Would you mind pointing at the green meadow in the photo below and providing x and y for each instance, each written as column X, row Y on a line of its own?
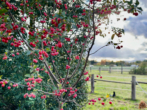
column 122, row 101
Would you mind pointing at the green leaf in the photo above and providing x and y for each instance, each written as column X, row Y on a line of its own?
column 139, row 8
column 112, row 37
column 137, row 3
column 63, row 14
column 36, row 51
column 3, row 11
column 47, row 49
column 68, row 27
column 27, row 75
column 115, row 44
column 114, row 2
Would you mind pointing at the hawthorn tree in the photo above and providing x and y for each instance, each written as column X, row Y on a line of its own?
column 47, row 44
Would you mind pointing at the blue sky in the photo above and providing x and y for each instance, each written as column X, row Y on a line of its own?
column 134, row 39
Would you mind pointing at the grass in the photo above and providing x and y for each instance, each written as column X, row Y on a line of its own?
column 122, row 101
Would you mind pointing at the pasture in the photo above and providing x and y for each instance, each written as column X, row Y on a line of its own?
column 122, row 101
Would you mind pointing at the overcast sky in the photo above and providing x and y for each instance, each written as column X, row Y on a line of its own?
column 134, row 39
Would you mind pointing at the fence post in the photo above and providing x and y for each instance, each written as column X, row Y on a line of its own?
column 99, row 69
column 121, row 69
column 109, row 69
column 133, row 94
column 90, row 68
column 92, row 83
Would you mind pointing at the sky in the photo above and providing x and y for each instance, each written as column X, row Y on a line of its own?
column 134, row 40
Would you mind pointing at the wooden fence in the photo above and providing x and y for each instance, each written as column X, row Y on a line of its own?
column 133, row 85
column 114, row 69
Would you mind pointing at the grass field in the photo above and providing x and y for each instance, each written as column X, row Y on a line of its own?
column 122, row 101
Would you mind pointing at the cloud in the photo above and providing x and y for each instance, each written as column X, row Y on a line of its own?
column 143, row 3
column 110, row 52
column 134, row 39
column 137, row 25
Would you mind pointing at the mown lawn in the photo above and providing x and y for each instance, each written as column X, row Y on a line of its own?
column 122, row 101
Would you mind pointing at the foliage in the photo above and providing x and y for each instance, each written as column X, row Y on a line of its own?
column 46, row 46
column 141, row 70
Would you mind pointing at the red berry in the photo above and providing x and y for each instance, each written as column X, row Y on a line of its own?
column 14, row 85
column 17, row 53
column 13, row 55
column 29, row 89
column 76, row 90
column 9, row 87
column 26, row 79
column 60, row 45
column 110, row 102
column 100, row 76
column 103, row 103
column 99, row 99
column 3, row 85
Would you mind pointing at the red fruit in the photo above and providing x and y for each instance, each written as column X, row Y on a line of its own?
column 60, row 45
column 17, row 53
column 97, row 76
column 14, row 85
column 77, row 57
column 89, row 103
column 61, row 90
column 99, row 99
column 6, row 82
column 75, row 96
column 67, row 82
column 110, row 102
column 28, row 83
column 93, row 103
column 41, row 97
column 33, row 82
column 103, row 103
column 67, row 66
column 32, row 85
column 29, row 89
column 29, row 95
column 13, row 55
column 35, row 61
column 25, row 96
column 44, row 96
column 3, row 85
column 32, row 95
column 5, row 58
column 136, row 14
column 76, row 90
column 29, row 79
column 87, row 79
column 85, row 73
column 9, row 87
column 100, row 76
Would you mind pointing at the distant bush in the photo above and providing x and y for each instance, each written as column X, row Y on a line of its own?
column 140, row 70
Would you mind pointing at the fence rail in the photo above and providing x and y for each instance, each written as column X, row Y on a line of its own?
column 133, row 85
column 111, row 69
column 112, row 81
